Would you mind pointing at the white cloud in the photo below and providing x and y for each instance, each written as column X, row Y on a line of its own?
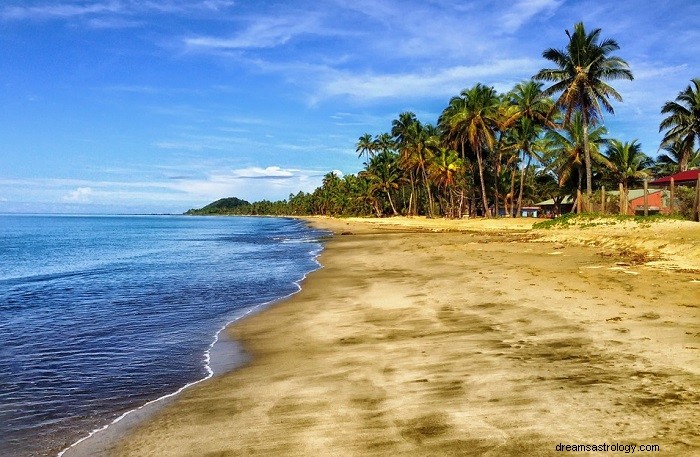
column 265, row 32
column 80, row 195
column 524, row 10
column 67, row 10
column 63, row 10
column 257, row 173
column 444, row 82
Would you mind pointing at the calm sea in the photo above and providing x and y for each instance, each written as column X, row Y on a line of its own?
column 99, row 315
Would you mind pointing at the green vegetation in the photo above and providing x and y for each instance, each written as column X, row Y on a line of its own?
column 229, row 205
column 493, row 153
column 596, row 219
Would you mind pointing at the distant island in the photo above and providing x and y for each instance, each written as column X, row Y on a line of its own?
column 297, row 205
column 229, row 205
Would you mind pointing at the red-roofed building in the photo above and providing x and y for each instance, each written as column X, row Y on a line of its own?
column 684, row 178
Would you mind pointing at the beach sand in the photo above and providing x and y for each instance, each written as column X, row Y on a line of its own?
column 443, row 338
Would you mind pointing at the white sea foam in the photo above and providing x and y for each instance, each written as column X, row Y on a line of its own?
column 207, row 356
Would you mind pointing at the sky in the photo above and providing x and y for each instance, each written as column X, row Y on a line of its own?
column 158, row 106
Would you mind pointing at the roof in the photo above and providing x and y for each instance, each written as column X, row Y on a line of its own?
column 684, row 176
column 566, row 201
column 631, row 195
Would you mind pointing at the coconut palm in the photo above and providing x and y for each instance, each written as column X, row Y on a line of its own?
column 472, row 119
column 628, row 164
column 383, row 174
column 534, row 111
column 567, row 146
column 402, row 130
column 365, row 146
column 443, row 170
column 668, row 162
column 413, row 140
column 582, row 69
column 683, row 122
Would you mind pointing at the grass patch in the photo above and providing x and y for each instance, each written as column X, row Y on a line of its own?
column 587, row 220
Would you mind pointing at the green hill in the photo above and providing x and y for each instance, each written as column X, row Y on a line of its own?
column 229, row 205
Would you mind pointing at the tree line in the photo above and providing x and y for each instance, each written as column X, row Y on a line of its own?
column 492, row 153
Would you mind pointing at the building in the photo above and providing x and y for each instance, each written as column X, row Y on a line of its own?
column 658, row 201
column 684, row 178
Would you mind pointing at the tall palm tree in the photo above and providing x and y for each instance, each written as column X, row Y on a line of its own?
column 628, row 164
column 683, row 122
column 535, row 112
column 443, row 169
column 383, row 174
column 582, row 69
column 402, row 131
column 473, row 117
column 567, row 146
column 365, row 146
column 668, row 162
column 384, row 143
column 525, row 136
column 414, row 142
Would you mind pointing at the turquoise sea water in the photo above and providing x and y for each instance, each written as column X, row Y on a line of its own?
column 100, row 314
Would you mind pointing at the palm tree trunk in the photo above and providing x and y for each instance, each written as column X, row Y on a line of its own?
column 497, row 177
column 523, row 175
column 487, row 211
column 512, row 192
column 427, row 189
column 393, row 208
column 589, row 166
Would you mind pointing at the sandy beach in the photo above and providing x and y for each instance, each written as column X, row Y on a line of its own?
column 430, row 337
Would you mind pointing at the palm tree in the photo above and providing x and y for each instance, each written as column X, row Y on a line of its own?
column 383, row 174
column 414, row 142
column 582, row 69
column 683, row 122
column 567, row 146
column 525, row 137
column 472, row 117
column 401, row 131
column 444, row 168
column 365, row 146
column 534, row 110
column 628, row 163
column 668, row 162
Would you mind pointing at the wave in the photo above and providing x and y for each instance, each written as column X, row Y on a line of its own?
column 207, row 355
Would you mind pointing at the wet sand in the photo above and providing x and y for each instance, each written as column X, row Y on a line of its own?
column 444, row 339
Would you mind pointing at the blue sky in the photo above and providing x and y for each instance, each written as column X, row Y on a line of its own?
column 164, row 105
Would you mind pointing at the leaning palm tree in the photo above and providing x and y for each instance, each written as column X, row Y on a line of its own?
column 628, row 164
column 683, row 122
column 582, row 69
column 473, row 117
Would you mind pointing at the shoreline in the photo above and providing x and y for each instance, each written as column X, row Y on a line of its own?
column 469, row 350
column 217, row 362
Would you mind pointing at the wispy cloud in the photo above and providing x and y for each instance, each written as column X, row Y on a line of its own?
column 264, row 32
column 447, row 81
column 108, row 9
column 524, row 10
column 61, row 10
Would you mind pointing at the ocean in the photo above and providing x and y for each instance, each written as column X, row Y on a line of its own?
column 102, row 314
